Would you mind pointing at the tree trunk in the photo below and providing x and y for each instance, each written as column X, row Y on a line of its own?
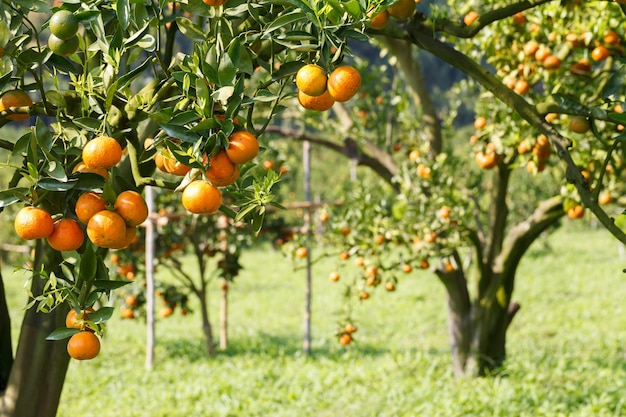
column 38, row 372
column 224, row 319
column 6, row 345
column 206, row 325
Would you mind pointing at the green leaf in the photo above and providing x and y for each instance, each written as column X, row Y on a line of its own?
column 285, row 20
column 180, row 132
column 190, row 29
column 102, row 314
column 88, row 263
column 52, row 184
column 614, row 85
column 123, row 13
column 88, row 123
column 107, row 284
column 138, row 36
column 12, row 195
column 62, row 333
column 131, row 75
column 223, row 94
column 226, row 71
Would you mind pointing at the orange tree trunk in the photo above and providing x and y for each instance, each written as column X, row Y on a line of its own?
column 6, row 345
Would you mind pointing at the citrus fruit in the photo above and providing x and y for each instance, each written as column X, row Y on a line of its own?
column 214, row 3
column 600, row 53
column 579, row 124
column 15, row 98
column 311, row 80
column 33, row 223
column 379, row 20
column 301, row 252
column 83, row 167
column 173, row 166
column 222, row 171
column 83, row 345
column 107, row 229
column 87, row 205
column 74, row 320
column 470, row 18
column 130, row 234
column 344, row 82
column 201, row 197
column 319, row 103
column 63, row 47
column 132, row 207
column 402, row 9
column 242, row 147
column 63, row 24
column 66, row 236
column 102, row 152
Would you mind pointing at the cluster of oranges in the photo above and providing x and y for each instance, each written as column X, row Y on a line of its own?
column 401, row 9
column 204, row 196
column 85, row 344
column 318, row 91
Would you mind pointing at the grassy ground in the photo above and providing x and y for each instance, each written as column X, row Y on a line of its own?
column 567, row 348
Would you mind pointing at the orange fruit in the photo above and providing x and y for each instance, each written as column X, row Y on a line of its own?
column 579, row 124
column 15, row 98
column 83, row 167
column 407, row 268
column 320, row 103
column 311, row 80
column 414, row 155
column 301, row 252
column 127, row 313
column 350, row 328
column 423, row 171
column 33, row 223
column 604, row 197
column 521, row 87
column 222, row 171
column 371, row 271
column 166, row 312
column 551, row 62
column 333, row 276
column 611, row 37
column 486, row 160
column 390, row 286
column 173, row 166
column 83, row 345
column 132, row 207
column 214, row 3
column 63, row 24
column 74, row 320
column 344, row 82
column 480, row 122
column 379, row 20
column 201, row 197
column 346, row 339
column 87, row 205
column 359, row 261
column 130, row 234
column 575, row 212
column 102, row 152
column 519, row 18
column 444, row 212
column 66, row 236
column 600, row 53
column 470, row 18
column 402, row 9
column 130, row 300
column 107, row 229
column 242, row 147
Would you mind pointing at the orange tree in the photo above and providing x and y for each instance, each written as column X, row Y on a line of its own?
column 192, row 75
column 546, row 143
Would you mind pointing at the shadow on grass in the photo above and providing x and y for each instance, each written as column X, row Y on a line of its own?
column 265, row 344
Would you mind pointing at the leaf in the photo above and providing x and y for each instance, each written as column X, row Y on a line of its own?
column 287, row 69
column 88, row 263
column 180, row 132
column 102, row 314
column 137, row 36
column 12, row 195
column 123, row 13
column 190, row 29
column 127, row 78
column 614, row 85
column 226, row 71
column 285, row 20
column 223, row 94
column 52, row 184
column 108, row 284
column 88, row 123
column 62, row 333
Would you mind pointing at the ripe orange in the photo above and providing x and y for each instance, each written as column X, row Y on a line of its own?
column 333, row 276
column 480, row 122
column 242, row 147
column 214, row 3
column 541, row 148
column 579, row 124
column 423, row 171
column 359, row 261
column 83, row 345
column 424, row 264
column 371, row 271
column 519, row 18
column 130, row 235
column 166, row 312
column 201, row 197
column 600, row 53
column 222, row 171
column 379, row 20
column 530, row 48
column 486, row 160
column 343, row 83
column 33, row 223
column 15, row 98
column 551, row 62
column 301, row 252
column 132, row 207
column 390, row 286
column 127, row 313
column 173, row 166
column 470, row 18
column 344, row 256
column 444, row 212
column 364, row 295
column 320, row 103
column 345, row 338
column 102, row 152
column 107, row 229
column 83, row 167
column 402, row 9
column 311, row 80
column 130, row 300
column 521, row 87
column 581, row 67
column 414, row 155
column 350, row 328
column 575, row 212
column 611, row 37
column 523, row 147
column 87, row 205
column 407, row 268
column 74, row 320
column 66, row 236
column 604, row 197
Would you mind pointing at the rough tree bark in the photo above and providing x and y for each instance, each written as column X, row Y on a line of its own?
column 38, row 372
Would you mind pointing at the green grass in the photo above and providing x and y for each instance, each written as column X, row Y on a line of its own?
column 567, row 348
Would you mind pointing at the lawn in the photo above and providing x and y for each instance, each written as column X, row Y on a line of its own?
column 567, row 347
